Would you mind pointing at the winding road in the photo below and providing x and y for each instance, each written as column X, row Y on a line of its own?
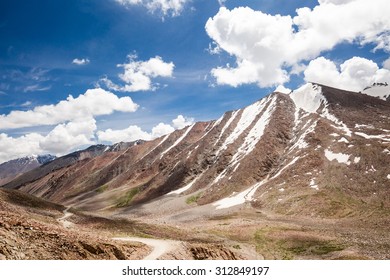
column 63, row 219
column 160, row 246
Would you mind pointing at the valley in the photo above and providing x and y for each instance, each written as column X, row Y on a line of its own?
column 300, row 175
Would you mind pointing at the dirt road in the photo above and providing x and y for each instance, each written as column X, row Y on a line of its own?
column 160, row 247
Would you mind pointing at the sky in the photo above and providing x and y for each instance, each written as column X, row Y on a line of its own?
column 74, row 73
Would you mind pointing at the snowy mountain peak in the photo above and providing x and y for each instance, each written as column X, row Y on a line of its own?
column 380, row 90
column 308, row 97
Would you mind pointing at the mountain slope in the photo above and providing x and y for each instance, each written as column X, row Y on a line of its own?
column 11, row 169
column 280, row 154
column 303, row 175
column 30, row 229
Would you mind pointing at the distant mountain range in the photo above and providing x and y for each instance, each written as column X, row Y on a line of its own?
column 13, row 168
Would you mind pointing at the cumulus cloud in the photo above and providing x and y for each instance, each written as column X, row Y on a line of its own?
column 386, row 64
column 266, row 46
column 161, row 129
column 138, row 75
column 166, row 7
column 181, row 122
column 134, row 132
column 129, row 134
column 82, row 61
column 354, row 74
column 63, row 139
column 94, row 102
column 11, row 148
column 66, row 137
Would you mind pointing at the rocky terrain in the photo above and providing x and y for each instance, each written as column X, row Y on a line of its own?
column 300, row 175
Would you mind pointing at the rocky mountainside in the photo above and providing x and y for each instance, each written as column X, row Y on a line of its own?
column 58, row 163
column 287, row 153
column 295, row 175
column 11, row 169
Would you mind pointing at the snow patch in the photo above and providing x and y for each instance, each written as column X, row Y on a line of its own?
column 255, row 133
column 380, row 90
column 300, row 143
column 162, row 141
column 247, row 117
column 384, row 137
column 356, row 160
column 372, row 169
column 386, row 151
column 313, row 184
column 286, row 166
column 339, row 124
column 177, row 141
column 364, row 126
column 388, row 176
column 308, row 97
column 227, row 124
column 183, row 189
column 240, row 198
column 339, row 157
column 343, row 140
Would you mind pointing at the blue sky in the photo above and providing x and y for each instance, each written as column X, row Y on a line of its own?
column 177, row 53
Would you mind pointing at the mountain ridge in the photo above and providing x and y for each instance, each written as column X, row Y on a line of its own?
column 298, row 175
column 265, row 138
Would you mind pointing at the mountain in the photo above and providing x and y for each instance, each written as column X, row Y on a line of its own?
column 314, row 163
column 36, row 173
column 11, row 169
column 307, row 140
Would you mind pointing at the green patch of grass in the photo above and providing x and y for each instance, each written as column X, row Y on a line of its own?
column 102, row 189
column 127, row 198
column 193, row 198
column 238, row 247
column 282, row 243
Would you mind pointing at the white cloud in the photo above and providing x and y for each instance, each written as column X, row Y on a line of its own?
column 221, row 2
column 282, row 89
column 94, row 102
column 181, row 122
column 386, row 64
column 63, row 139
column 66, row 137
column 166, row 7
column 264, row 45
column 161, row 129
column 82, row 61
column 337, row 2
column 36, row 87
column 138, row 75
column 134, row 132
column 354, row 74
column 11, row 148
column 129, row 134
